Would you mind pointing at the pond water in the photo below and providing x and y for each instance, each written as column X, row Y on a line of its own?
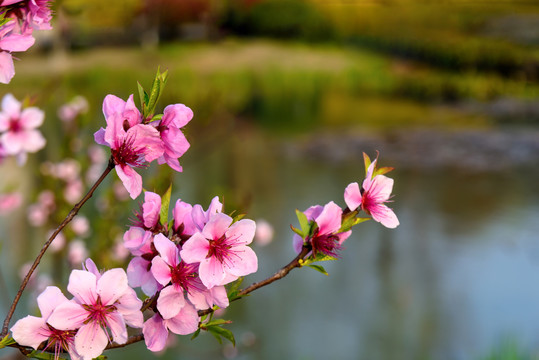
column 458, row 279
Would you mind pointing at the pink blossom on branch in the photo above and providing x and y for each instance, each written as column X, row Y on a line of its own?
column 32, row 331
column 222, row 251
column 174, row 117
column 326, row 238
column 101, row 303
column 371, row 198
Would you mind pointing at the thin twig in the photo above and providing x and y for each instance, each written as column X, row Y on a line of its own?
column 66, row 221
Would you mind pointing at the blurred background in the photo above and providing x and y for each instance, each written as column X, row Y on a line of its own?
column 287, row 94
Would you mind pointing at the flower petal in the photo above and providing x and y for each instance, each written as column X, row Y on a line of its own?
column 161, row 270
column 68, row 316
column 329, row 221
column 82, row 285
column 216, row 226
column 116, row 324
column 352, row 196
column 185, row 322
column 112, row 285
column 30, row 331
column 170, row 302
column 195, row 249
column 90, row 340
column 167, row 249
column 155, row 333
column 131, row 180
column 211, row 272
column 245, row 265
column 242, row 232
column 129, row 307
column 49, row 299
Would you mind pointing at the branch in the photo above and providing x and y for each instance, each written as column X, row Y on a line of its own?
column 66, row 221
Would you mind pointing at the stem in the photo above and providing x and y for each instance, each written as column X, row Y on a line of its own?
column 66, row 221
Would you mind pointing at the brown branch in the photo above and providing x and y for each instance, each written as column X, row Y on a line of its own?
column 66, row 221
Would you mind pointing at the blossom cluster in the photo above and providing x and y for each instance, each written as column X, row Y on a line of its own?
column 101, row 307
column 326, row 227
column 19, row 19
column 187, row 264
column 18, row 129
column 135, row 141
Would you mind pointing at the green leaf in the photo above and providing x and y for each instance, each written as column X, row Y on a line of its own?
column 383, row 170
column 303, row 223
column 319, row 257
column 367, row 161
column 157, row 89
column 143, row 96
column 165, row 204
column 195, row 335
column 217, row 322
column 6, row 341
column 238, row 218
column 297, row 231
column 219, row 332
column 319, row 269
column 234, row 288
column 157, row 117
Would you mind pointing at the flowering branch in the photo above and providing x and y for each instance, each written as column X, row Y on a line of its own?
column 66, row 221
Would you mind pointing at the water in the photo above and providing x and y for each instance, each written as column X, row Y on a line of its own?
column 456, row 280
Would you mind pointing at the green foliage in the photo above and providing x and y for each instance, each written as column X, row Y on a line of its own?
column 149, row 102
column 6, row 341
column 165, row 204
column 214, row 327
column 233, row 289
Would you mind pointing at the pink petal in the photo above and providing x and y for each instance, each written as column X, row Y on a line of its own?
column 30, row 331
column 33, row 141
column 161, row 270
column 90, row 340
column 368, row 177
column 380, row 189
column 151, row 209
column 352, row 196
column 247, row 264
column 215, row 207
column 11, row 107
column 112, row 105
column 116, row 324
column 7, row 69
column 115, row 132
column 186, row 322
column 82, row 285
column 167, row 249
column 297, row 243
column 313, row 212
column 217, row 226
column 177, row 115
column 218, row 296
column 329, row 221
column 385, row 216
column 195, row 249
column 170, row 302
column 32, row 118
column 182, row 215
column 242, row 231
column 99, row 137
column 17, row 42
column 49, row 299
column 211, row 272
column 135, row 237
column 90, row 266
column 68, row 316
column 148, row 141
column 112, row 285
column 129, row 306
column 155, row 333
column 131, row 180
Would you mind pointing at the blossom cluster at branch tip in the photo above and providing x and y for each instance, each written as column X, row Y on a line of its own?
column 24, row 16
column 101, row 307
column 375, row 191
column 186, row 265
column 135, row 142
column 18, row 129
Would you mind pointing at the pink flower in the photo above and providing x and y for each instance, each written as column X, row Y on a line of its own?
column 9, row 202
column 72, row 109
column 222, row 251
column 132, row 143
column 184, row 226
column 32, row 331
column 11, row 41
column 374, row 192
column 264, row 232
column 101, row 303
column 156, row 329
column 326, row 238
column 167, row 268
column 174, row 117
column 20, row 135
column 201, row 217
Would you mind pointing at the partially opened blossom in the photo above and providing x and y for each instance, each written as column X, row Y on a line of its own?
column 19, row 128
column 32, row 331
column 102, row 304
column 132, row 143
column 371, row 198
column 326, row 238
column 222, row 251
column 174, row 118
column 168, row 268
column 201, row 217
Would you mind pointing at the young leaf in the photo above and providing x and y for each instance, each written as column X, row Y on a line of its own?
column 217, row 322
column 319, row 269
column 303, row 222
column 143, row 96
column 6, row 341
column 382, row 170
column 367, row 161
column 219, row 332
column 234, row 288
column 165, row 203
column 195, row 335
column 298, row 231
column 238, row 217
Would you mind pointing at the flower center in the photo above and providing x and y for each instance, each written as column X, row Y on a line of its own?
column 98, row 312
column 60, row 340
column 15, row 125
column 327, row 244
column 185, row 276
column 127, row 154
